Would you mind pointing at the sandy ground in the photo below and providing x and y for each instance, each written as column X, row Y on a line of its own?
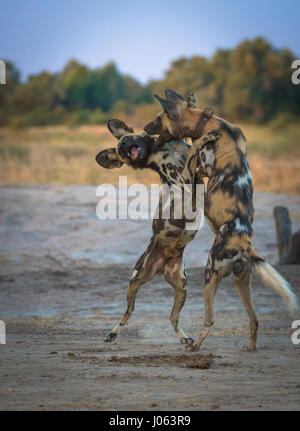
column 63, row 280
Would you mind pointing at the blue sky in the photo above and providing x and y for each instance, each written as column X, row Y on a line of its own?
column 142, row 37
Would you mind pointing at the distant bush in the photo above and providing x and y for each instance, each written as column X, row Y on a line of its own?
column 122, row 108
column 78, row 118
column 282, row 121
column 85, row 116
column 41, row 116
column 98, row 117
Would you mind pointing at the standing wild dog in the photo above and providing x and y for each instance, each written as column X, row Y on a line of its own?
column 164, row 254
column 228, row 205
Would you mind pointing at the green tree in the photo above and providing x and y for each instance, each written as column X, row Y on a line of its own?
column 44, row 89
column 259, row 84
column 251, row 82
column 75, row 79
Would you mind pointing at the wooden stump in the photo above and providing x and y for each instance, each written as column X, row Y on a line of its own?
column 288, row 244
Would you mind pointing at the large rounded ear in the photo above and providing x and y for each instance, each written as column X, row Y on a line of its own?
column 109, row 159
column 174, row 97
column 172, row 111
column 169, row 108
column 162, row 101
column 118, row 128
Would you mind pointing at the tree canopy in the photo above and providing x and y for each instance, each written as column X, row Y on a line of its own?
column 251, row 82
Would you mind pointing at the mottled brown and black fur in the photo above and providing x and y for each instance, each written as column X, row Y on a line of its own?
column 164, row 254
column 228, row 205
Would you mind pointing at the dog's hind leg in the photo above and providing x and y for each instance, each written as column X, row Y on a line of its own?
column 243, row 287
column 209, row 292
column 145, row 269
column 175, row 276
column 216, row 268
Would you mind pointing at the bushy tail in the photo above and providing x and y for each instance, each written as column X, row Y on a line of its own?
column 274, row 280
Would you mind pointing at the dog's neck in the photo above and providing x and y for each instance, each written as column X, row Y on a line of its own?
column 204, row 118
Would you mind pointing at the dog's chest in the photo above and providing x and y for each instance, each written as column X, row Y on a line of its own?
column 170, row 165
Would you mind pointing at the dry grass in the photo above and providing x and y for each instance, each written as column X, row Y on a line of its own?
column 274, row 157
column 59, row 155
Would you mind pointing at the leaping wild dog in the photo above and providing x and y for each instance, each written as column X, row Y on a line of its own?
column 228, row 205
column 164, row 254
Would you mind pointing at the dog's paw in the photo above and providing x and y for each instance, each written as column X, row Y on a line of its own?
column 187, row 341
column 249, row 348
column 212, row 135
column 192, row 348
column 110, row 337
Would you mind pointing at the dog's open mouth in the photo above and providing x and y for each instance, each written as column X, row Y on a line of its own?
column 134, row 152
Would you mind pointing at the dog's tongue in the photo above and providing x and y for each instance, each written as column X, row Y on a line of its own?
column 134, row 151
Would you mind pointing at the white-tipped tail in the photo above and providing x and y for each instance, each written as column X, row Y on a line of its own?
column 274, row 280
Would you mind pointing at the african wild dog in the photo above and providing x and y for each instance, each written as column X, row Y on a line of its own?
column 228, row 205
column 164, row 254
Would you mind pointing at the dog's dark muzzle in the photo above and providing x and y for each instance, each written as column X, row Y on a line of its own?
column 132, row 151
